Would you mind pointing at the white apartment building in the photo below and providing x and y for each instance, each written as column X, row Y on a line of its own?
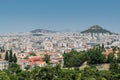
column 3, row 64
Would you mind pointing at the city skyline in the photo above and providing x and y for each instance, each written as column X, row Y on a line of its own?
column 58, row 15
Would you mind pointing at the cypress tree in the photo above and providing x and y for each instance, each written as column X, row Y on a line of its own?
column 14, row 58
column 11, row 56
column 3, row 49
column 0, row 55
column 0, row 49
column 103, row 46
column 6, row 56
column 46, row 58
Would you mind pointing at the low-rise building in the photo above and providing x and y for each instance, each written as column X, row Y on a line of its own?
column 3, row 64
column 31, row 62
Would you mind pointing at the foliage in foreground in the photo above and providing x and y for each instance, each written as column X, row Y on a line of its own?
column 73, row 59
column 58, row 73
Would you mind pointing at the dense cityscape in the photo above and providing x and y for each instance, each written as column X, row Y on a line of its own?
column 40, row 49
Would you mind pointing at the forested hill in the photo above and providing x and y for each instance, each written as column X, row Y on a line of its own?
column 96, row 29
column 42, row 31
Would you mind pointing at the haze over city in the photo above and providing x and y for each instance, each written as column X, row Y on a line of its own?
column 58, row 15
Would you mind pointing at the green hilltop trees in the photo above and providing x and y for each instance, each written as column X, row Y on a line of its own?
column 9, row 56
column 95, row 56
column 92, row 56
column 74, row 59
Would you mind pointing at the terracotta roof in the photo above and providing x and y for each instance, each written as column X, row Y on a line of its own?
column 35, row 58
column 39, row 62
column 2, row 60
column 23, row 60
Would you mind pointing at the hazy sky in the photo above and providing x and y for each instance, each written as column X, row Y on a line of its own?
column 59, row 15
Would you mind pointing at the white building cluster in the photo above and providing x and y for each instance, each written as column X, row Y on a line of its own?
column 55, row 43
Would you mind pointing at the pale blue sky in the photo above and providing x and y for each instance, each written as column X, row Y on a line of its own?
column 58, row 15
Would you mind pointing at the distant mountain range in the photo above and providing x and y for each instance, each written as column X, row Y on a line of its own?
column 42, row 31
column 96, row 29
column 92, row 29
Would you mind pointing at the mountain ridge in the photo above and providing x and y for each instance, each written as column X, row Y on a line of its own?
column 42, row 31
column 96, row 29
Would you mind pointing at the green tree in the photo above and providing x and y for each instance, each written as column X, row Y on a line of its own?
column 14, row 68
column 27, row 67
column 74, row 59
column 11, row 56
column 25, row 75
column 0, row 55
column 4, row 76
column 103, row 48
column 104, row 78
column 110, row 58
column 78, row 76
column 95, row 56
column 14, row 58
column 118, row 57
column 46, row 58
column 57, row 70
column 2, row 49
column 13, row 77
column 114, row 48
column 114, row 67
column 6, row 56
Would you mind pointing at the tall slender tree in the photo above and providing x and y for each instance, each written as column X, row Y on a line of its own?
column 11, row 56
column 14, row 58
column 6, row 56
column 103, row 46
column 0, row 49
column 0, row 55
